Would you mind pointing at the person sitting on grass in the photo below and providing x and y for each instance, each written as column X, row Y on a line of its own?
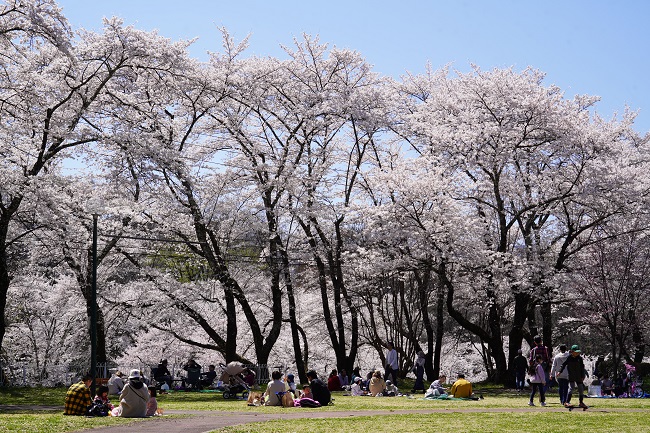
column 333, row 382
column 134, row 397
column 152, row 404
column 207, row 378
column 274, row 390
column 116, row 383
column 290, row 383
column 355, row 388
column 607, row 385
column 306, row 392
column 319, row 389
column 436, row 389
column 377, row 385
column 391, row 390
column 462, row 388
column 102, row 398
column 77, row 399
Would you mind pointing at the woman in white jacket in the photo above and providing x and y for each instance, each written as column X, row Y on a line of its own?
column 134, row 398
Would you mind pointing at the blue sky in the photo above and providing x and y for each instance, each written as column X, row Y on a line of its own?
column 592, row 47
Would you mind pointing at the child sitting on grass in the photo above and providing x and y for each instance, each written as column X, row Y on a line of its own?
column 152, row 404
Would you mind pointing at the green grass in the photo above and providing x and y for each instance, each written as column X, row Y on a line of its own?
column 54, row 422
column 606, row 415
column 550, row 422
column 33, row 396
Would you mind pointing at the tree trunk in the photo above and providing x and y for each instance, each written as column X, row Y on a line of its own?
column 516, row 335
column 293, row 322
column 440, row 330
column 492, row 338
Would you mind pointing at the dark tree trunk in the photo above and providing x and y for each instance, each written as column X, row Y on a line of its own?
column 517, row 334
column 293, row 321
column 440, row 328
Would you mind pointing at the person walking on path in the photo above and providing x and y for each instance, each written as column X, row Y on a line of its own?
column 392, row 364
column 561, row 377
column 77, row 399
column 520, row 365
column 577, row 373
column 545, row 353
column 418, row 369
column 537, row 381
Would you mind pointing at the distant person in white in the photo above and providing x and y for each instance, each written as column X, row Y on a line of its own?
column 392, row 364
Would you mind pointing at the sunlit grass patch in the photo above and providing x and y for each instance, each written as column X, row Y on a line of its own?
column 548, row 422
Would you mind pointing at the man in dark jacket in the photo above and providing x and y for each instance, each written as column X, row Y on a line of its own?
column 576, row 368
column 318, row 389
column 521, row 365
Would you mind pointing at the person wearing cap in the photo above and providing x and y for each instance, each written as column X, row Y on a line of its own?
column 134, row 397
column 290, row 383
column 575, row 365
column 391, row 390
column 355, row 388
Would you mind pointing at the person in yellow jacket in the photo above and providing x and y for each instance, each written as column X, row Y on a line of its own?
column 462, row 388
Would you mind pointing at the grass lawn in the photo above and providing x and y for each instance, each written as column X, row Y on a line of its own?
column 550, row 422
column 498, row 412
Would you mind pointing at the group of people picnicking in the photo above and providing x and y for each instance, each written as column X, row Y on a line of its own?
column 136, row 399
column 203, row 379
column 136, row 394
column 284, row 392
column 538, row 369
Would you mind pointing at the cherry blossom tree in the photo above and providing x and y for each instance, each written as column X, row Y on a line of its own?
column 611, row 295
column 345, row 112
column 533, row 184
column 52, row 91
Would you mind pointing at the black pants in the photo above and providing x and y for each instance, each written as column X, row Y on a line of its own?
column 535, row 387
column 392, row 373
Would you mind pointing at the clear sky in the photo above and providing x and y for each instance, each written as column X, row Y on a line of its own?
column 595, row 47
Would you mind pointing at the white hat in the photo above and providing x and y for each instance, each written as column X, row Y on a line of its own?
column 357, row 379
column 135, row 374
